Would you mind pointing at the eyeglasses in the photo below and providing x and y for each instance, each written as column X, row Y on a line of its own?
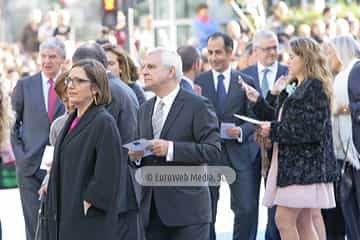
column 76, row 81
column 268, row 49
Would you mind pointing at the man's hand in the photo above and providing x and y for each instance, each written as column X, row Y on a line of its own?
column 159, row 147
column 197, row 90
column 233, row 132
column 265, row 129
column 135, row 155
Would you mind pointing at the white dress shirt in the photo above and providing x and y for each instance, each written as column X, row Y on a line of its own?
column 46, row 86
column 271, row 75
column 168, row 100
column 227, row 79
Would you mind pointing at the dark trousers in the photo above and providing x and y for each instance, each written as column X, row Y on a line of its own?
column 244, row 203
column 130, row 226
column 271, row 232
column 157, row 230
column 29, row 187
column 350, row 202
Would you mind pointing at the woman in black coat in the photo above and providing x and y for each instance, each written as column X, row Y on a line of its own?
column 303, row 166
column 83, row 191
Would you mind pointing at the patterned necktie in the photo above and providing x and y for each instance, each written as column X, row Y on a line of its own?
column 51, row 100
column 221, row 93
column 157, row 119
column 264, row 83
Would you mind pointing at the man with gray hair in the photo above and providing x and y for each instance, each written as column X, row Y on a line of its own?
column 36, row 106
column 265, row 73
column 267, row 70
column 184, row 132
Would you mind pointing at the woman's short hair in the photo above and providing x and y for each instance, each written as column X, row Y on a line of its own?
column 96, row 73
column 128, row 68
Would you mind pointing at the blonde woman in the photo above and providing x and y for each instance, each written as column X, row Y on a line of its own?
column 303, row 166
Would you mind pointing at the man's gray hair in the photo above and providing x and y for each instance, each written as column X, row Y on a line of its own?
column 263, row 34
column 169, row 58
column 346, row 48
column 54, row 43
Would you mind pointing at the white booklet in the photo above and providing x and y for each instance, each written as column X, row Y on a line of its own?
column 139, row 145
column 247, row 119
column 223, row 127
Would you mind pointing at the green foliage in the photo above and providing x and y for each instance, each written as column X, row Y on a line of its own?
column 298, row 16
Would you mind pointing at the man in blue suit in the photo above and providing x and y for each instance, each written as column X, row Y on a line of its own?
column 36, row 106
column 267, row 70
column 220, row 85
column 265, row 73
column 190, row 58
column 350, row 188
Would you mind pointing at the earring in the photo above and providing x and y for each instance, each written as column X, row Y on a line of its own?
column 95, row 99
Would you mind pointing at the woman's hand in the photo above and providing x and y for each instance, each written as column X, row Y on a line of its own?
column 87, row 205
column 279, row 85
column 251, row 93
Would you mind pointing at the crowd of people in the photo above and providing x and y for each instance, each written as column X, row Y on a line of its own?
column 301, row 84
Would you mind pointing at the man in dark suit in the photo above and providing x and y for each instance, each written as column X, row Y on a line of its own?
column 220, row 85
column 123, row 108
column 36, row 106
column 190, row 58
column 350, row 188
column 265, row 73
column 268, row 69
column 184, row 132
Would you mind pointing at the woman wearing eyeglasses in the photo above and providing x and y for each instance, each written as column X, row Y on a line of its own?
column 83, row 191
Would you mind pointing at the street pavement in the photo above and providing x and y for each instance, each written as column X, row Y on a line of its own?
column 13, row 224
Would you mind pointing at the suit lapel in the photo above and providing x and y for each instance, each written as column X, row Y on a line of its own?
column 234, row 90
column 256, row 76
column 211, row 90
column 84, row 121
column 147, row 121
column 38, row 94
column 173, row 113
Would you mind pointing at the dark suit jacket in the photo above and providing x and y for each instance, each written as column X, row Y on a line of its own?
column 241, row 155
column 123, row 108
column 253, row 72
column 193, row 127
column 32, row 127
column 354, row 97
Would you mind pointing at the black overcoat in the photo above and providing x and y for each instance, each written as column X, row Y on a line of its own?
column 87, row 166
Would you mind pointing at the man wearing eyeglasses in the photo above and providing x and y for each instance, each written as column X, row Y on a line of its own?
column 267, row 70
column 265, row 73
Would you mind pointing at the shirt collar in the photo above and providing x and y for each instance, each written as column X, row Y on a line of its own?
column 226, row 73
column 188, row 80
column 169, row 99
column 272, row 68
column 45, row 79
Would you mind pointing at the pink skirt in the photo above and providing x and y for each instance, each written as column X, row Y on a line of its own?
column 318, row 195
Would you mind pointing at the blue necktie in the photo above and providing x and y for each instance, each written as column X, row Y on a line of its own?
column 264, row 83
column 221, row 93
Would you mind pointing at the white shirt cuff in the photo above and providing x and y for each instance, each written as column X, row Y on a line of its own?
column 240, row 138
column 170, row 153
